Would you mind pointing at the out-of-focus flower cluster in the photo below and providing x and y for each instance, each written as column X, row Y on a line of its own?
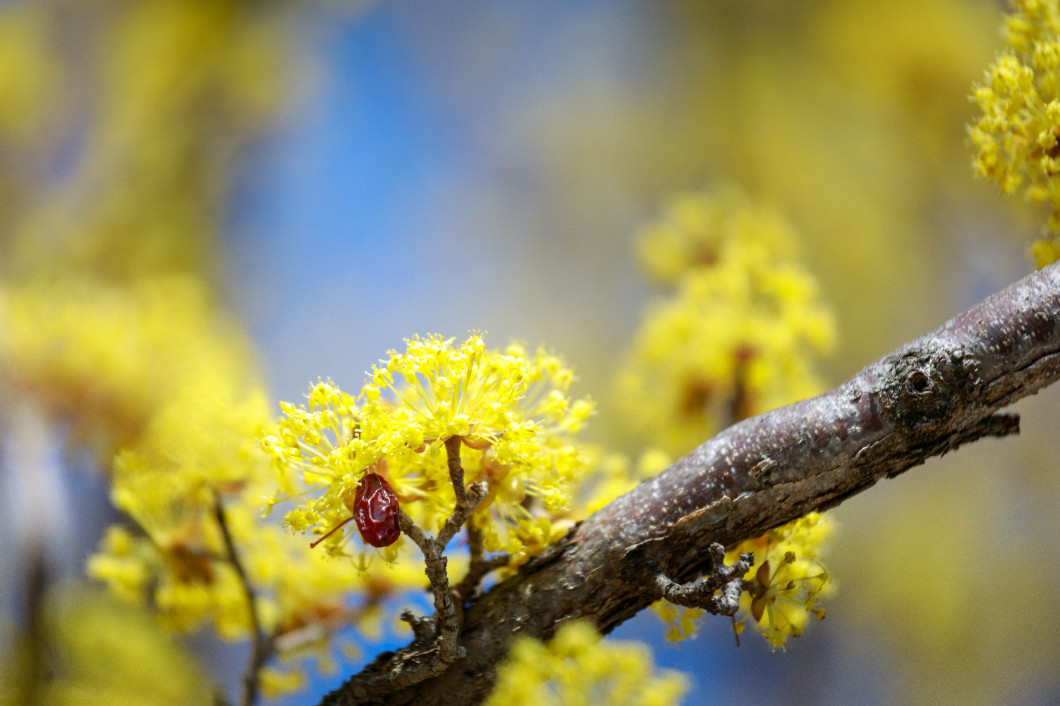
column 118, row 146
column 739, row 334
column 104, row 356
column 138, row 663
column 165, row 390
column 577, row 668
column 119, row 124
column 511, row 409
column 1017, row 137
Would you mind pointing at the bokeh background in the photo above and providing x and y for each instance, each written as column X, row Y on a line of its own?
column 368, row 171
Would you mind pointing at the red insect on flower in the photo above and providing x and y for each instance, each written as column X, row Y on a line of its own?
column 375, row 510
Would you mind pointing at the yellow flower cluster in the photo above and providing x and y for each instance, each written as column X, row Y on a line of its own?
column 788, row 578
column 738, row 337
column 699, row 232
column 1017, row 138
column 681, row 622
column 30, row 73
column 511, row 410
column 118, row 150
column 576, row 668
column 1031, row 22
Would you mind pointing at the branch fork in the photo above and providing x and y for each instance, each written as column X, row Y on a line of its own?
column 435, row 646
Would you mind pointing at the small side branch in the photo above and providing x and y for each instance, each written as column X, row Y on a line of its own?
column 445, row 623
column 704, row 592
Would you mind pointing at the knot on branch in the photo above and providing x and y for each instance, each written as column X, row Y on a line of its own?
column 718, row 592
column 923, row 385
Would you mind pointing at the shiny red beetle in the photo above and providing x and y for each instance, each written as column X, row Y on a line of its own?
column 375, row 510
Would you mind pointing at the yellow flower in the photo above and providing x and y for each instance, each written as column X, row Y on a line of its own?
column 126, row 139
column 109, row 358
column 681, row 622
column 276, row 682
column 1032, row 21
column 576, row 668
column 1016, row 137
column 787, row 579
column 1045, row 251
column 166, row 391
column 30, row 74
column 511, row 410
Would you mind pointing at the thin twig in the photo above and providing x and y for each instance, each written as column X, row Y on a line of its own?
column 474, row 544
column 479, row 566
column 472, row 497
column 456, row 468
column 36, row 671
column 261, row 647
column 740, row 404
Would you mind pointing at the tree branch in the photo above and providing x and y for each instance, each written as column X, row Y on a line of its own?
column 924, row 399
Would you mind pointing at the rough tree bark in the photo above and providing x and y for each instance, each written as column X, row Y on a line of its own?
column 922, row 400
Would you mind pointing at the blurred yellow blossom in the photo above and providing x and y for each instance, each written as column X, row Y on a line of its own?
column 118, row 143
column 511, row 410
column 741, row 332
column 1017, row 137
column 697, row 232
column 276, row 682
column 577, row 668
column 1045, row 251
column 108, row 358
column 681, row 622
column 100, row 652
column 165, row 387
column 29, row 72
column 1031, row 22
column 128, row 134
